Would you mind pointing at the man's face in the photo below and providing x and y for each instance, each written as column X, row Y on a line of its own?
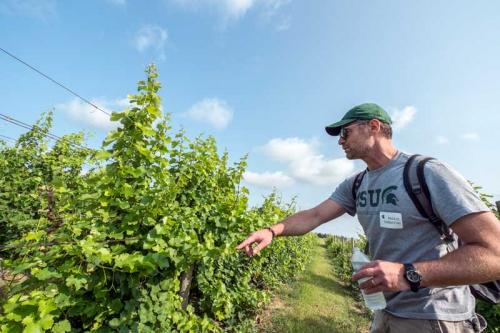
column 354, row 139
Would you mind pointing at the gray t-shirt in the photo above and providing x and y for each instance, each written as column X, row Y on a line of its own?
column 398, row 233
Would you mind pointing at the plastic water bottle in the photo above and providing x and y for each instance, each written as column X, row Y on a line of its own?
column 374, row 301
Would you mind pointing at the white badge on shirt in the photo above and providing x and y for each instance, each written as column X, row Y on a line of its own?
column 391, row 220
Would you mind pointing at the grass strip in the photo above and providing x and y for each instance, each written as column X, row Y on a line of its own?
column 317, row 302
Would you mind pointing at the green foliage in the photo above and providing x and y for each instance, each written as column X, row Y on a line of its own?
column 486, row 198
column 155, row 217
column 339, row 250
column 492, row 315
column 33, row 174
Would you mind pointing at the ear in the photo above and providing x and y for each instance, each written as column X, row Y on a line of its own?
column 374, row 125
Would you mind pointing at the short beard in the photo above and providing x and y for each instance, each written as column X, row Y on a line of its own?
column 357, row 155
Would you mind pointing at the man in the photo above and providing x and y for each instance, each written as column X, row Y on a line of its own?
column 441, row 300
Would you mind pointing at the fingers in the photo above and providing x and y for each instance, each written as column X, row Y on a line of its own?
column 374, row 263
column 247, row 246
column 364, row 273
column 373, row 290
column 367, row 270
column 246, row 242
column 370, row 284
column 374, row 285
column 248, row 250
column 261, row 238
column 259, row 247
column 384, row 276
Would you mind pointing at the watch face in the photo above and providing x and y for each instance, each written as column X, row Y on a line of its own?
column 413, row 276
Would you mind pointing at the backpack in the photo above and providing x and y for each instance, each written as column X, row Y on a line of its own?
column 416, row 187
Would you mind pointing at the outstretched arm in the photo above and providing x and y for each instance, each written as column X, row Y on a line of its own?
column 296, row 224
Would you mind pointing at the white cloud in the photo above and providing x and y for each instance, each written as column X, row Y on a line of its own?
column 229, row 9
column 470, row 136
column 234, row 9
column 442, row 140
column 318, row 170
column 268, row 179
column 305, row 164
column 87, row 114
column 40, row 9
column 287, row 150
column 214, row 111
column 151, row 36
column 401, row 118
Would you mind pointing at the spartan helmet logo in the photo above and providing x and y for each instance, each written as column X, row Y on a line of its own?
column 388, row 197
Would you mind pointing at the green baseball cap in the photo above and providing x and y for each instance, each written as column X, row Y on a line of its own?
column 366, row 111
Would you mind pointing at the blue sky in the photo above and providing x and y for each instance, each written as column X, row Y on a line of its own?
column 265, row 76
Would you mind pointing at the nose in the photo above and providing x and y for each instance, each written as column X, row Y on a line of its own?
column 341, row 141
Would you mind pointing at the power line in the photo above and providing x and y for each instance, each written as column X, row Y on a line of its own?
column 52, row 136
column 29, row 127
column 24, row 125
column 54, row 81
column 7, row 137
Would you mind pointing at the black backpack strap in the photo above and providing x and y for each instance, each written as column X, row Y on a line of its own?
column 417, row 189
column 488, row 291
column 357, row 183
column 355, row 187
column 416, row 186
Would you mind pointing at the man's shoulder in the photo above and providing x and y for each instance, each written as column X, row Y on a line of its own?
column 432, row 168
column 438, row 167
column 432, row 164
column 352, row 176
column 403, row 157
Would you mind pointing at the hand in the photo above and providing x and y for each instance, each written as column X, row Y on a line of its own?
column 385, row 276
column 262, row 237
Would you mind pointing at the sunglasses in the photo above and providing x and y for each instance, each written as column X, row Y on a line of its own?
column 344, row 131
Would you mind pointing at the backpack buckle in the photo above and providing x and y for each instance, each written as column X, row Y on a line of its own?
column 417, row 189
column 448, row 238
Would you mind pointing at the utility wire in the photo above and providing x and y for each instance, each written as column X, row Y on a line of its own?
column 59, row 84
column 54, row 81
column 7, row 137
column 29, row 127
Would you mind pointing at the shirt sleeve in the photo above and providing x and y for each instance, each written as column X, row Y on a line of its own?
column 452, row 196
column 343, row 196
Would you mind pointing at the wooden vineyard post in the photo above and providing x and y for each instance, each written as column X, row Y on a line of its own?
column 186, row 279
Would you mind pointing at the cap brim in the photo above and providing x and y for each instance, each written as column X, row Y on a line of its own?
column 334, row 129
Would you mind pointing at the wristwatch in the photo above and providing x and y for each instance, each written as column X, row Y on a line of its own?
column 413, row 277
